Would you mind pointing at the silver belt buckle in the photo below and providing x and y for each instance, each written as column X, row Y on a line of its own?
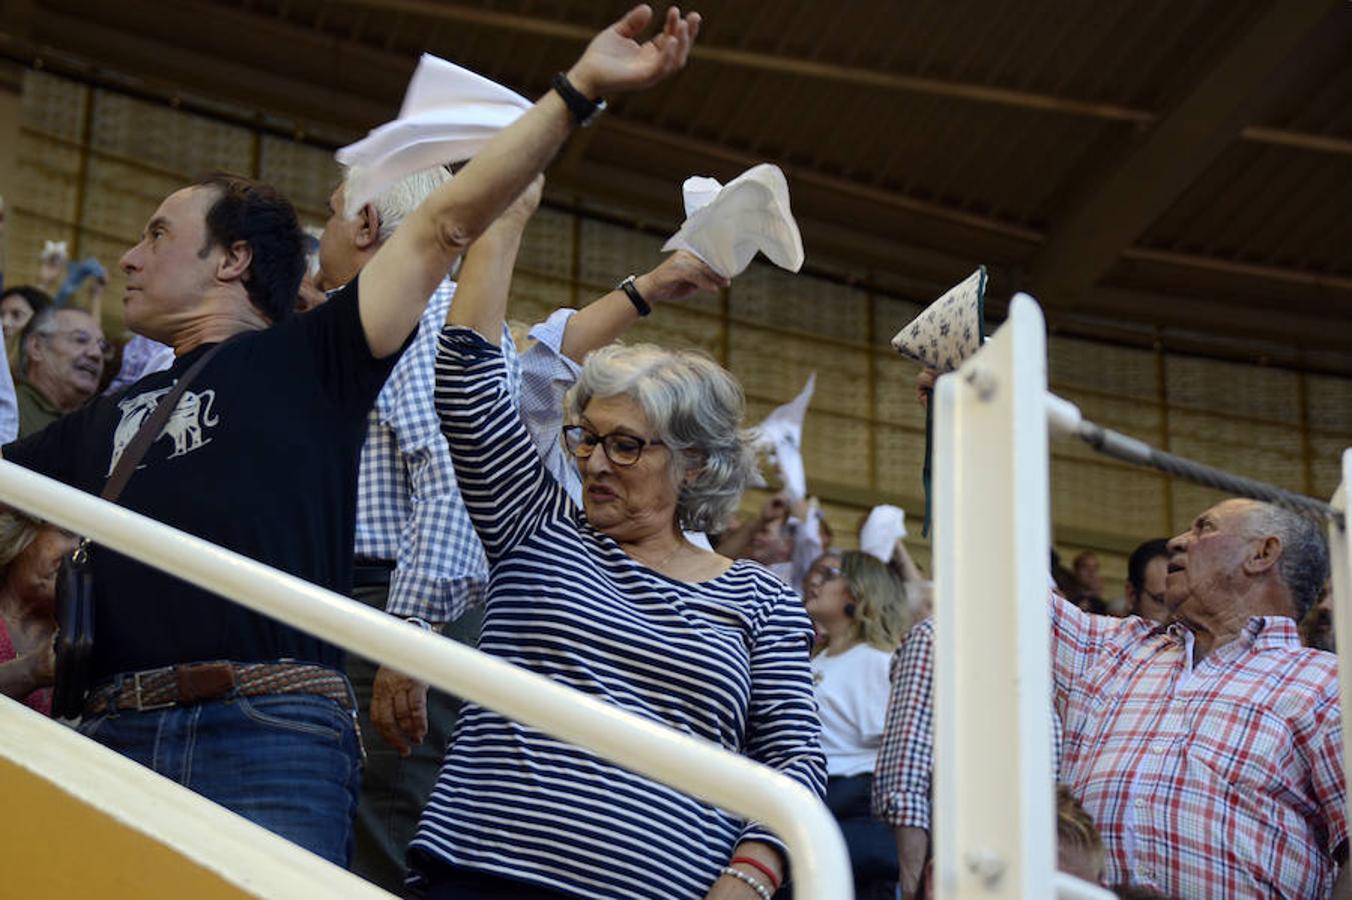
column 140, row 695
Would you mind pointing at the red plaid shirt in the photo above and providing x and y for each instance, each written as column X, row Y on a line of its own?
column 1220, row 780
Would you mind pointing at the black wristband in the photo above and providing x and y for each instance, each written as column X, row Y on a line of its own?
column 631, row 291
column 583, row 108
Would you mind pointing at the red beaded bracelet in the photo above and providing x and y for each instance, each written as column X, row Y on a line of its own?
column 760, row 867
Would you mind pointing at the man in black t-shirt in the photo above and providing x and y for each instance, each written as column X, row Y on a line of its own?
column 260, row 456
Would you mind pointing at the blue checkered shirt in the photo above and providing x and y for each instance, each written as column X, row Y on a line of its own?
column 408, row 504
column 546, row 376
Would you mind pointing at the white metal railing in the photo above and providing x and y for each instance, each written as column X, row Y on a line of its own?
column 817, row 851
column 1340, row 563
column 994, row 828
column 993, row 834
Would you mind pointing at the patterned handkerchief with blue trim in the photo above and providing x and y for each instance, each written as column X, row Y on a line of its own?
column 950, row 329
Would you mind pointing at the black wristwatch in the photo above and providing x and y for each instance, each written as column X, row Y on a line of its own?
column 584, row 109
column 631, row 291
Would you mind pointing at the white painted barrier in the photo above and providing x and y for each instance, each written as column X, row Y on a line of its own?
column 817, row 851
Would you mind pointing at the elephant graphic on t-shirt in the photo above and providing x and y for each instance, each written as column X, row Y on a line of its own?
column 185, row 426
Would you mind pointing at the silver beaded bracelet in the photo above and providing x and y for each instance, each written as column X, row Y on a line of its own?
column 761, row 890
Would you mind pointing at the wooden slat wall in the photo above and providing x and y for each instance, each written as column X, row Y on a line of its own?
column 94, row 164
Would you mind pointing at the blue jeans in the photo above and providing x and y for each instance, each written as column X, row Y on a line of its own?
column 289, row 762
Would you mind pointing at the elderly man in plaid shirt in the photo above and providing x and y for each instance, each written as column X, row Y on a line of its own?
column 1208, row 750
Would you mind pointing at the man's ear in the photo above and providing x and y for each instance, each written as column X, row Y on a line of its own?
column 235, row 262
column 367, row 234
column 1265, row 556
column 35, row 349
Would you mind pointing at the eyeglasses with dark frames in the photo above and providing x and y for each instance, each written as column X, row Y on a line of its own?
column 620, row 448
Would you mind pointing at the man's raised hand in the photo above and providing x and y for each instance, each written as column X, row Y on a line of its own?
column 615, row 61
column 680, row 275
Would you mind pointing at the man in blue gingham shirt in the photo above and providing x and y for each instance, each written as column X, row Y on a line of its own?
column 408, row 506
column 416, row 554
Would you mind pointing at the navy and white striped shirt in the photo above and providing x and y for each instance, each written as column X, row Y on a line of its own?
column 725, row 660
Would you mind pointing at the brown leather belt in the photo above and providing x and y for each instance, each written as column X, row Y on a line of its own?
column 187, row 684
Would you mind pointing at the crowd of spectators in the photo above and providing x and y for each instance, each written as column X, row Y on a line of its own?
column 568, row 503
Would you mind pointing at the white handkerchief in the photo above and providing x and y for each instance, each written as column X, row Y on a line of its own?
column 448, row 114
column 726, row 224
column 884, row 527
column 697, row 191
column 782, row 435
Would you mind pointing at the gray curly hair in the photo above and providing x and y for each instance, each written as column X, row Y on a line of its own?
column 695, row 408
column 1304, row 563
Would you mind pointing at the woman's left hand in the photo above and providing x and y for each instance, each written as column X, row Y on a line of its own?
column 729, row 888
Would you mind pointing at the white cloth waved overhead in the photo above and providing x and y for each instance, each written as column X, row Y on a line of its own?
column 449, row 113
column 884, row 527
column 726, row 224
column 782, row 435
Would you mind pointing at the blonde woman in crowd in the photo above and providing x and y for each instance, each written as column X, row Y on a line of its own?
column 29, row 555
column 858, row 606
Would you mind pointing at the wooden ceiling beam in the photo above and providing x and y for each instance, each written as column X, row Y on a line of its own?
column 825, row 70
column 698, row 148
column 1219, row 320
column 170, row 69
column 214, row 45
column 327, row 108
column 1089, row 237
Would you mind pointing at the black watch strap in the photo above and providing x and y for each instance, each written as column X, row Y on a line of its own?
column 583, row 108
column 631, row 291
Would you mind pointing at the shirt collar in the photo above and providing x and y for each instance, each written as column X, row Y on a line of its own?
column 23, row 384
column 1260, row 633
column 1271, row 632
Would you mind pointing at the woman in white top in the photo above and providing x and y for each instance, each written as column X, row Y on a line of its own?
column 858, row 606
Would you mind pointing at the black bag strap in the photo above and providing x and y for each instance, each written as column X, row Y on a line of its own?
column 151, row 428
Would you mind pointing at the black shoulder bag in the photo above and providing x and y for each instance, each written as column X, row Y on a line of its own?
column 75, row 579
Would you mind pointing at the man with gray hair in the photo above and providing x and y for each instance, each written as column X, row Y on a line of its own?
column 1206, row 748
column 61, row 356
column 1209, row 750
column 417, row 556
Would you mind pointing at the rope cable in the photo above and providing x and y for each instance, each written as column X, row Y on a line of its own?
column 1131, row 450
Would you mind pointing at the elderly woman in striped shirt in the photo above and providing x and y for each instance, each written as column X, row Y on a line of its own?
column 612, row 600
